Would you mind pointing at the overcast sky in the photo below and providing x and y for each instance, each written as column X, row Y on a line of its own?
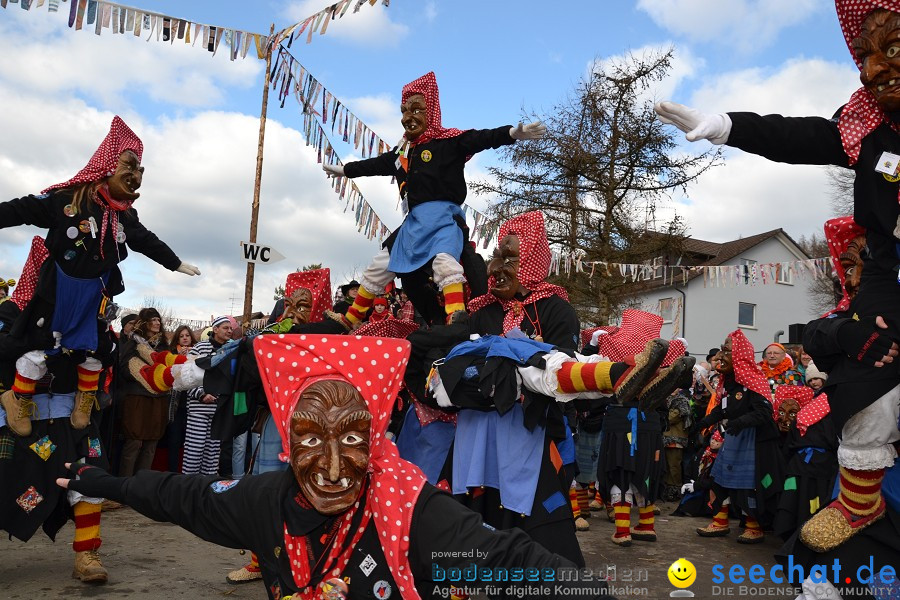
column 198, row 116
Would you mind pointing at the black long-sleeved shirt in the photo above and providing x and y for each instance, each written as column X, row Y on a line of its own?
column 435, row 167
column 71, row 243
column 252, row 514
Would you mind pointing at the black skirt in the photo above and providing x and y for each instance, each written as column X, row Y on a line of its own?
column 618, row 465
column 29, row 496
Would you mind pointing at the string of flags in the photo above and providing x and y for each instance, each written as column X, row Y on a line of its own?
column 319, row 21
column 716, row 276
column 121, row 19
column 320, row 107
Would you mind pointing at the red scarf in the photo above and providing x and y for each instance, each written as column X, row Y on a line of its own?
column 106, row 158
column 318, row 282
column 772, row 372
column 27, row 284
column 427, row 86
column 839, row 233
column 290, row 363
column 746, row 372
column 534, row 267
column 812, row 413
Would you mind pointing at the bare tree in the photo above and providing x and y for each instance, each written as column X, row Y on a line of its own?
column 605, row 167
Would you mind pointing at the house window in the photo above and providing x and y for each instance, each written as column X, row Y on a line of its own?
column 746, row 264
column 746, row 314
column 783, row 274
column 667, row 309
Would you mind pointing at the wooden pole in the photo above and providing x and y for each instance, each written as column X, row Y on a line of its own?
column 254, row 211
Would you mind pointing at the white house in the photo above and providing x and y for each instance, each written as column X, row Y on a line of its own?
column 705, row 311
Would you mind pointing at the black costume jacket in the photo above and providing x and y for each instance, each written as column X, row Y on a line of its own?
column 745, row 408
column 435, row 167
column 78, row 256
column 817, row 141
column 252, row 514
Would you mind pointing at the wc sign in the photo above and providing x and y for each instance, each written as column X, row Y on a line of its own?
column 260, row 253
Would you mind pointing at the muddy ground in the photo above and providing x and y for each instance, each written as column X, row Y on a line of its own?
column 154, row 560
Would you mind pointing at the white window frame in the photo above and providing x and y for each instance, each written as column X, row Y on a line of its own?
column 671, row 315
column 748, row 262
column 742, row 325
column 783, row 276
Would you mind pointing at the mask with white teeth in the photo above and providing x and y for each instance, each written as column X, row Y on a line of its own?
column 329, row 436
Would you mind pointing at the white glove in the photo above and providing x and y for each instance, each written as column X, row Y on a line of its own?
column 595, row 337
column 697, row 125
column 333, row 170
column 188, row 269
column 532, row 131
column 688, row 488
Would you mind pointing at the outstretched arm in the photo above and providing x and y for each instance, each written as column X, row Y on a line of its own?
column 209, row 509
column 794, row 140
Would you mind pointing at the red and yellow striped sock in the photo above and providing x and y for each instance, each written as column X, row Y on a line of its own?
column 860, row 491
column 453, row 298
column 87, row 380
column 751, row 524
column 254, row 563
column 646, row 519
column 158, row 377
column 167, row 358
column 23, row 386
column 573, row 500
column 584, row 377
column 623, row 519
column 361, row 306
column 87, row 527
column 721, row 517
column 584, row 501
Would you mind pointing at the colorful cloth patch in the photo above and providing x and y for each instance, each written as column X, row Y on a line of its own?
column 7, row 446
column 44, row 447
column 767, row 481
column 814, row 505
column 223, row 485
column 30, row 499
column 790, row 483
column 553, row 502
column 94, row 450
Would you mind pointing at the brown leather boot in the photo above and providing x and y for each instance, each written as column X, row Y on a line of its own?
column 81, row 413
column 88, row 567
column 19, row 410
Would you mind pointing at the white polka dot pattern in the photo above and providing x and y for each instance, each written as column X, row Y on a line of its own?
column 800, row 393
column 106, row 158
column 27, row 283
column 637, row 328
column 427, row 86
column 839, row 233
column 318, row 282
column 312, row 360
column 812, row 413
column 746, row 371
column 534, row 266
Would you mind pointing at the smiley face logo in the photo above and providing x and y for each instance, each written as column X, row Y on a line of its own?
column 682, row 573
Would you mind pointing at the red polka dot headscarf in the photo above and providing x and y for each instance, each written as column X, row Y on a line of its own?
column 427, row 86
column 746, row 371
column 534, row 267
column 800, row 393
column 862, row 114
column 638, row 327
column 27, row 284
column 106, row 158
column 812, row 412
column 318, row 282
column 839, row 233
column 288, row 364
column 587, row 333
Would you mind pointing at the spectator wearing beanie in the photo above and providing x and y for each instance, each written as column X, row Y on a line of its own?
column 814, row 377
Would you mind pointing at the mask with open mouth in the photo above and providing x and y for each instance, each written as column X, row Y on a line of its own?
column 330, row 445
column 504, row 268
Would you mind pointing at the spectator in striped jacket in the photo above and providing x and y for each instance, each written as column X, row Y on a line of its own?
column 201, row 453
